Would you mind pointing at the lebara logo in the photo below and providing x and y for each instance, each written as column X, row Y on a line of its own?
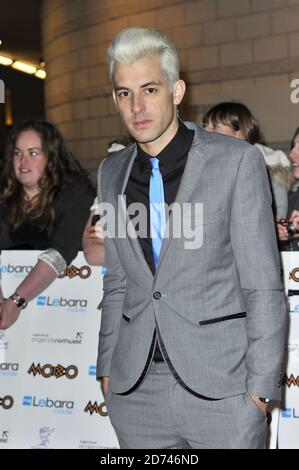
column 92, row 370
column 16, row 271
column 290, row 413
column 44, row 437
column 48, row 370
column 8, row 369
column 95, row 408
column 71, row 305
column 6, row 402
column 57, row 406
column 286, row 413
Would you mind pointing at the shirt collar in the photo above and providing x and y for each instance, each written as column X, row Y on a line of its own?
column 172, row 154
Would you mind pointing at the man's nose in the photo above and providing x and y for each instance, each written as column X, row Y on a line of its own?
column 137, row 104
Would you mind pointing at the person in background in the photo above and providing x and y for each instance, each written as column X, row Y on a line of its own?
column 45, row 197
column 288, row 229
column 236, row 120
column 93, row 242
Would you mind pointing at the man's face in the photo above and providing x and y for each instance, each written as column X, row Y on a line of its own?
column 146, row 105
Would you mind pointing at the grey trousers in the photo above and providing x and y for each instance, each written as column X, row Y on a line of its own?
column 161, row 414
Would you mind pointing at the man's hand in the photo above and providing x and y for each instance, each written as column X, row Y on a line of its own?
column 262, row 406
column 9, row 313
column 94, row 232
column 283, row 224
column 104, row 386
column 281, row 231
column 294, row 219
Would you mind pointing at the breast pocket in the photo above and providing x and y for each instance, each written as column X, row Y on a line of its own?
column 195, row 224
column 212, row 216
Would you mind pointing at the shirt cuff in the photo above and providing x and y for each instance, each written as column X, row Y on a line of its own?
column 54, row 259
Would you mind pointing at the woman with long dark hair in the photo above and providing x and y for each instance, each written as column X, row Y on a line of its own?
column 45, row 197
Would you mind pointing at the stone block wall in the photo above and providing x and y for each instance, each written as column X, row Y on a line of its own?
column 244, row 50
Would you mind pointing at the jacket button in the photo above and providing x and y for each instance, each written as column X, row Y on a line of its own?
column 157, row 295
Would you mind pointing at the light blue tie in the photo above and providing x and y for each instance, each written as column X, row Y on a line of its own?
column 157, row 209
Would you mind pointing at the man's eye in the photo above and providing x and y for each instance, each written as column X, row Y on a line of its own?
column 150, row 91
column 123, row 94
column 33, row 154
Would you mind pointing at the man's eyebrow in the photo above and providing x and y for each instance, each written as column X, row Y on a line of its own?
column 142, row 86
column 121, row 88
column 150, row 83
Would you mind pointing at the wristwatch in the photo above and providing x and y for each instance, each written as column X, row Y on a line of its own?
column 264, row 400
column 19, row 301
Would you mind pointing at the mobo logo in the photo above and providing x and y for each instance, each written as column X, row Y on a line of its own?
column 48, row 370
column 95, row 408
column 7, row 402
column 294, row 275
column 72, row 271
column 291, row 381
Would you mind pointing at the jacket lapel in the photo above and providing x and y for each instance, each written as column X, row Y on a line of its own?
column 126, row 225
column 198, row 155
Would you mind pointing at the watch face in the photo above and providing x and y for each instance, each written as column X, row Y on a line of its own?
column 19, row 301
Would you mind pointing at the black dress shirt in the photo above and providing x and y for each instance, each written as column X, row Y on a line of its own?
column 172, row 160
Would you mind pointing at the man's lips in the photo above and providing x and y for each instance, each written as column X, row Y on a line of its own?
column 141, row 124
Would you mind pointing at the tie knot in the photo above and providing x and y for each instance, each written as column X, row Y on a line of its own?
column 154, row 163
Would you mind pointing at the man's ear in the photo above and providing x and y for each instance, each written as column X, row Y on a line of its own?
column 179, row 89
column 115, row 100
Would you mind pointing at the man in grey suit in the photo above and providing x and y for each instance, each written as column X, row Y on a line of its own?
column 191, row 338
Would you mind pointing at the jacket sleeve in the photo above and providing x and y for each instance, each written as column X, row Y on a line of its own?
column 114, row 285
column 255, row 249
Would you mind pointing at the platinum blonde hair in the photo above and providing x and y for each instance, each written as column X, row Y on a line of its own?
column 132, row 44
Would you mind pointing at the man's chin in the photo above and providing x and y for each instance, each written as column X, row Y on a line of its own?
column 142, row 138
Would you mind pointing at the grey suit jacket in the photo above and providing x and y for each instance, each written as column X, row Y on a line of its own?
column 219, row 309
